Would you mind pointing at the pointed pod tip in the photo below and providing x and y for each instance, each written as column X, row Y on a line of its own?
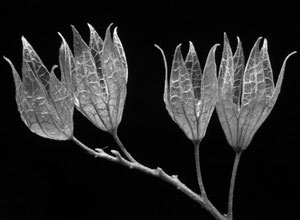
column 53, row 68
column 79, row 44
column 178, row 47
column 226, row 41
column 213, row 50
column 225, row 37
column 166, row 68
column 62, row 38
column 73, row 27
column 288, row 56
column 115, row 33
column 108, row 34
column 159, row 48
column 14, row 71
column 239, row 45
column 164, row 57
column 215, row 47
column 5, row 58
column 116, row 29
column 26, row 44
column 265, row 44
column 192, row 48
column 24, row 41
column 9, row 62
column 92, row 29
column 155, row 45
column 74, row 30
column 256, row 45
column 109, row 27
column 89, row 25
column 280, row 78
column 258, row 40
column 177, row 54
column 211, row 55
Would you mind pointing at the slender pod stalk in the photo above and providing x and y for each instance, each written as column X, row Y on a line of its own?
column 232, row 184
column 122, row 147
column 198, row 168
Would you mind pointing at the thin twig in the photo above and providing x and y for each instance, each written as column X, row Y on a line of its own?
column 198, row 169
column 116, row 157
column 232, row 183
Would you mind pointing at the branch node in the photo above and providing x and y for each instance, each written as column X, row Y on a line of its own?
column 117, row 154
column 159, row 171
column 99, row 150
column 175, row 177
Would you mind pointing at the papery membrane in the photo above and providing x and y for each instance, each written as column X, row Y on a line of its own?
column 246, row 94
column 190, row 96
column 101, row 76
column 45, row 105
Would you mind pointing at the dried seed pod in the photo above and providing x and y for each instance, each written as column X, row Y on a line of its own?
column 100, row 78
column 246, row 93
column 45, row 104
column 191, row 95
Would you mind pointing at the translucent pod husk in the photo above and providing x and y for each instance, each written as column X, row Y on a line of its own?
column 190, row 95
column 100, row 78
column 44, row 102
column 246, row 94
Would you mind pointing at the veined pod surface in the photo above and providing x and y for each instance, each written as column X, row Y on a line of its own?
column 190, row 95
column 99, row 82
column 246, row 93
column 44, row 102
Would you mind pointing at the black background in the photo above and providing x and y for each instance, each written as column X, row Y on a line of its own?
column 46, row 179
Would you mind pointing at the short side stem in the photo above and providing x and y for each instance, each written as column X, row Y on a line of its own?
column 232, row 183
column 122, row 147
column 198, row 169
